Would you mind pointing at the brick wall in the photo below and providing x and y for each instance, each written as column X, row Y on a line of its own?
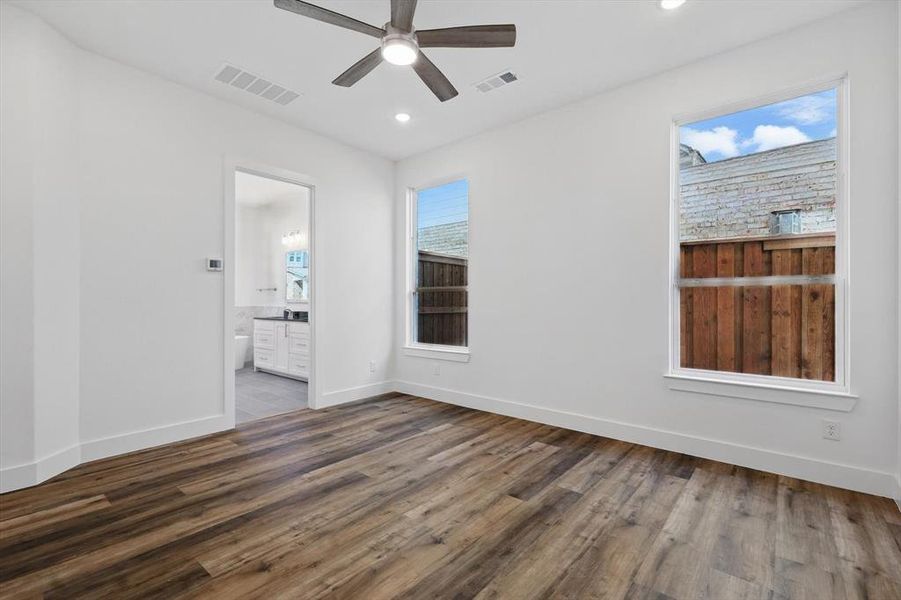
column 735, row 197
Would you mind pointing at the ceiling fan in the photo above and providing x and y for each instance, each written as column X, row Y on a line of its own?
column 401, row 44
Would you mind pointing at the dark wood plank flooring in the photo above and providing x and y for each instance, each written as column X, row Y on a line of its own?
column 401, row 497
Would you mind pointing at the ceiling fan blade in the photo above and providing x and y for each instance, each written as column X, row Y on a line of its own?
column 434, row 79
column 360, row 69
column 327, row 16
column 472, row 36
column 402, row 14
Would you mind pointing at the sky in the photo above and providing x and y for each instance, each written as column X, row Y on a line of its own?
column 786, row 123
column 448, row 203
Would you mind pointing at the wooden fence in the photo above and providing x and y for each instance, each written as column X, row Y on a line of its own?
column 441, row 299
column 785, row 330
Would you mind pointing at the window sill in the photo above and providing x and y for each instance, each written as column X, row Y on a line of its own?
column 450, row 353
column 826, row 399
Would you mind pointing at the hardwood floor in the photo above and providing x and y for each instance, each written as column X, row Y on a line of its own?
column 402, row 497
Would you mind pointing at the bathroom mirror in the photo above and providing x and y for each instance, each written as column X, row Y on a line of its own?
column 297, row 285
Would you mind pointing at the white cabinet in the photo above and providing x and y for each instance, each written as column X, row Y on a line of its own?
column 282, row 347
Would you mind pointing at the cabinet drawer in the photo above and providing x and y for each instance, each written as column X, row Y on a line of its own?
column 301, row 334
column 264, row 339
column 299, row 364
column 263, row 358
column 261, row 325
column 300, row 356
column 299, row 343
column 299, row 329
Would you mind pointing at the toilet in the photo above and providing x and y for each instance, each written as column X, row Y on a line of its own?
column 242, row 343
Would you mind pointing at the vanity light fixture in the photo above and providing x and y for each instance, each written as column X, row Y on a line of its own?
column 293, row 238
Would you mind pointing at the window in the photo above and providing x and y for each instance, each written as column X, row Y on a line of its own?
column 758, row 249
column 438, row 266
column 297, row 284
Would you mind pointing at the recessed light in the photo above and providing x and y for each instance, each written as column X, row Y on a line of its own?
column 671, row 4
column 402, row 117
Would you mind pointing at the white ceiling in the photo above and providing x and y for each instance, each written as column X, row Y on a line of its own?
column 565, row 50
column 253, row 190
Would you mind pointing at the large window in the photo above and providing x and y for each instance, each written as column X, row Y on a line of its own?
column 758, row 253
column 438, row 266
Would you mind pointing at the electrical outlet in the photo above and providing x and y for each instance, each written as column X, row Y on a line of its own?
column 372, row 366
column 832, row 430
column 436, row 369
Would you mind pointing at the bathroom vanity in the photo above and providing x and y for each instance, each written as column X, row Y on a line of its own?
column 282, row 346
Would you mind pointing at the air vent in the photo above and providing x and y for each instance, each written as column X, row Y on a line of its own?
column 256, row 85
column 496, row 81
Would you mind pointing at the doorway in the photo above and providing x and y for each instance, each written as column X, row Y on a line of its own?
column 269, row 287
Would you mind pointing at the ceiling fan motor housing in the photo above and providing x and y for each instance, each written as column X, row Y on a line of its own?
column 399, row 47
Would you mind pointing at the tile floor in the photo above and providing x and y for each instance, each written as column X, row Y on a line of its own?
column 259, row 394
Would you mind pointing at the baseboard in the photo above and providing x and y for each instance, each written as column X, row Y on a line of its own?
column 355, row 393
column 844, row 476
column 29, row 474
column 838, row 475
column 898, row 492
column 155, row 436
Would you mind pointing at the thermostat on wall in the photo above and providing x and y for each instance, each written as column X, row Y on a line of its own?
column 214, row 264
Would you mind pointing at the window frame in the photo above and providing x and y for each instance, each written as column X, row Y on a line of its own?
column 412, row 347
column 292, row 302
column 763, row 387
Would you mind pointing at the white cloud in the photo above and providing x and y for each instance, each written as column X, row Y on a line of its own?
column 720, row 140
column 807, row 110
column 768, row 137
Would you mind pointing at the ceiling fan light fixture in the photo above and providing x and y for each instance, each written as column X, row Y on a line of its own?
column 401, row 41
column 399, row 51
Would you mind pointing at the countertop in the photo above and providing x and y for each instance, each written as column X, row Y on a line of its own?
column 304, row 319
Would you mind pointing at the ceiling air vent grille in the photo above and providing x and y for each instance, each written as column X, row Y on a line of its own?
column 496, row 81
column 256, row 85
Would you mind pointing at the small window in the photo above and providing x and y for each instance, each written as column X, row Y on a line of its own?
column 297, row 284
column 758, row 270
column 438, row 296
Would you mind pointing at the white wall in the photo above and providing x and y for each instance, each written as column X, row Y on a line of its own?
column 16, row 245
column 569, row 214
column 568, row 189
column 259, row 252
column 40, row 249
column 251, row 251
column 152, row 162
column 898, row 172
column 122, row 172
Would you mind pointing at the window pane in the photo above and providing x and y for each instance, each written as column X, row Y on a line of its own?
column 757, row 199
column 297, row 284
column 442, row 251
column 783, row 330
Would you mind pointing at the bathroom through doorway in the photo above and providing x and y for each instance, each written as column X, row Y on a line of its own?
column 271, row 308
